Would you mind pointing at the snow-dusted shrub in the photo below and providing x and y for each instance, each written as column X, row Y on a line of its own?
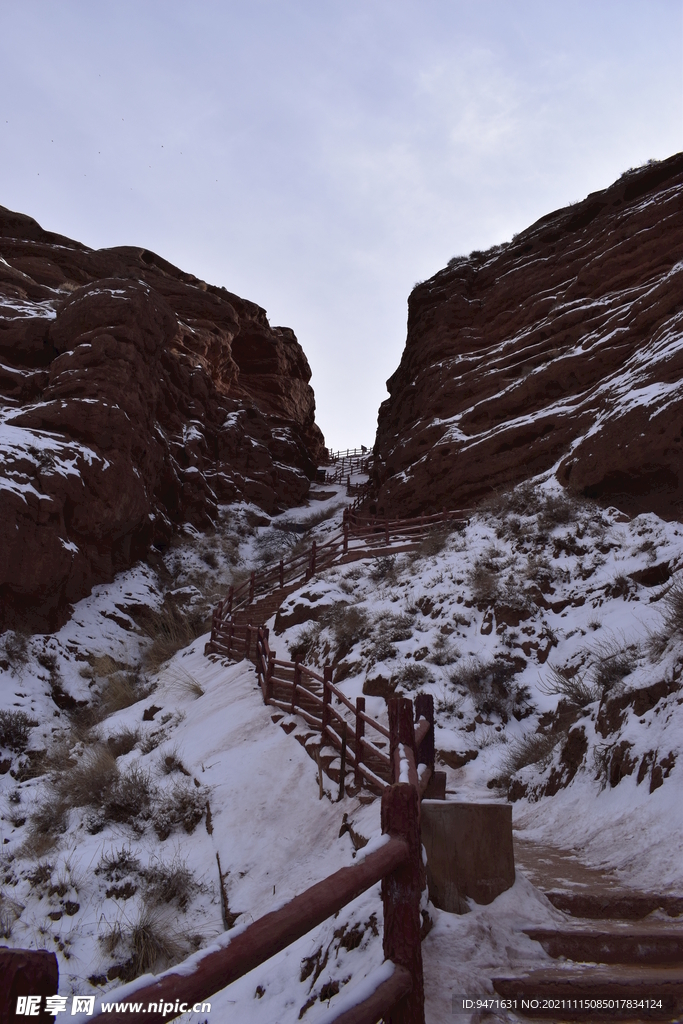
column 612, row 663
column 182, row 808
column 307, row 645
column 672, row 623
column 170, row 883
column 384, row 570
column 491, row 687
column 14, row 730
column 412, row 677
column 444, row 653
column 349, row 626
column 16, row 647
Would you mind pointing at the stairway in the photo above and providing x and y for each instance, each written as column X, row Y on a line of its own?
column 620, row 946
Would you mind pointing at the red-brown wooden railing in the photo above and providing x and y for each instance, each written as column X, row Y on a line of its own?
column 397, row 863
column 360, row 537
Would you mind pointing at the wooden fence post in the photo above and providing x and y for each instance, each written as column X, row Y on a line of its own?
column 327, row 698
column 252, row 580
column 282, row 574
column 346, row 537
column 296, row 683
column 401, row 728
column 270, row 672
column 401, row 900
column 424, row 708
column 230, row 596
column 360, row 732
column 386, row 529
column 231, row 635
column 342, row 763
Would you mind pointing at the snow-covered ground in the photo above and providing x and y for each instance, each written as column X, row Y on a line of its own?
column 533, row 594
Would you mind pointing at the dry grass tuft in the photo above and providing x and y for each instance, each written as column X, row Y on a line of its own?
column 151, row 944
column 170, row 630
column 612, row 662
column 122, row 742
column 570, row 686
column 533, row 748
column 672, row 623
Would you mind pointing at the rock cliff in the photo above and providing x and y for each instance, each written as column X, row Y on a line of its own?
column 133, row 398
column 561, row 350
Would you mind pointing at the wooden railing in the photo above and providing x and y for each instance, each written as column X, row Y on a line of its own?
column 398, row 994
column 297, row 689
column 360, row 537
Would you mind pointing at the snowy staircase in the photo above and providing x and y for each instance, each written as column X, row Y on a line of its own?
column 615, row 950
column 258, row 612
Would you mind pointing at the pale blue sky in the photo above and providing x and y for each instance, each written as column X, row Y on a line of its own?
column 319, row 157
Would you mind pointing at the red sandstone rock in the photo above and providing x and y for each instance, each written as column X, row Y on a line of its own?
column 562, row 349
column 133, row 397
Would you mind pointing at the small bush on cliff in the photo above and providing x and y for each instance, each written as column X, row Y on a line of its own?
column 569, row 686
column 492, row 688
column 14, row 730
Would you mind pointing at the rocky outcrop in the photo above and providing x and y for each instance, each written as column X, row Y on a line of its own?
column 133, row 398
column 562, row 350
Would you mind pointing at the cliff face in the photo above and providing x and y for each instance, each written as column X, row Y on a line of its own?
column 133, row 397
column 562, row 349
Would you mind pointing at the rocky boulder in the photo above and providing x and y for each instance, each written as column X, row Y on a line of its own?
column 560, row 351
column 133, row 398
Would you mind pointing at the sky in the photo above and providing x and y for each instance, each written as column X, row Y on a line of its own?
column 320, row 157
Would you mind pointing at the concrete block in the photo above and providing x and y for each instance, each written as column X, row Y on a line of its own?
column 469, row 852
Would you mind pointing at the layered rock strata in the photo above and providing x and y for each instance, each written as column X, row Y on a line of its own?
column 561, row 350
column 133, row 398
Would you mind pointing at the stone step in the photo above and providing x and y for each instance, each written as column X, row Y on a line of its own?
column 652, row 942
column 616, row 904
column 556, row 994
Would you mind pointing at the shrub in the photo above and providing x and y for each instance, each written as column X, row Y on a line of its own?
column 306, row 647
column 491, row 687
column 532, row 748
column 170, row 883
column 413, row 676
column 16, row 647
column 10, row 911
column 444, row 653
column 612, row 663
column 672, row 623
column 14, row 730
column 570, row 686
column 384, row 570
column 349, row 626
column 182, row 808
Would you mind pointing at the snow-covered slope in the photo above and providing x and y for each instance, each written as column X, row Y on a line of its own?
column 109, row 848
